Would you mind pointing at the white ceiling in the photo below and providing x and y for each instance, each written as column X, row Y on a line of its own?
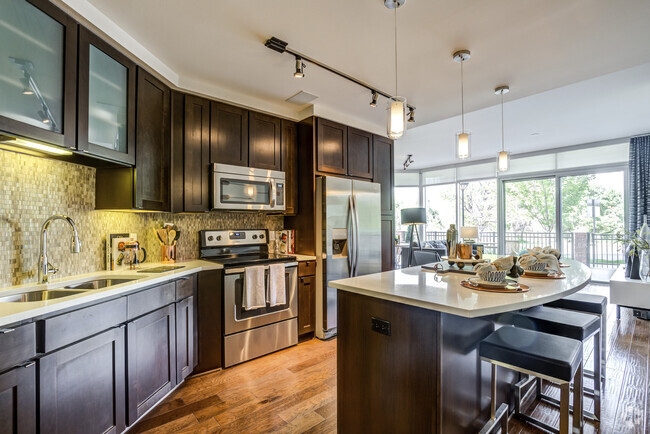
column 216, row 48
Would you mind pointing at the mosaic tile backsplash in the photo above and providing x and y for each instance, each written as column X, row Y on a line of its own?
column 32, row 189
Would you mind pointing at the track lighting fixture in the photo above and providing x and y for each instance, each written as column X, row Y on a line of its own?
column 503, row 158
column 397, row 106
column 375, row 95
column 409, row 161
column 462, row 139
column 300, row 68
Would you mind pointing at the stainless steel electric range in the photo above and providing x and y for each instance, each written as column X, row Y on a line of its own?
column 251, row 333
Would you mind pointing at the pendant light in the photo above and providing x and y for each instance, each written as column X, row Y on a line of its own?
column 396, row 104
column 462, row 138
column 503, row 158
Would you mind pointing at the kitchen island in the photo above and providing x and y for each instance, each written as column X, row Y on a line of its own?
column 407, row 358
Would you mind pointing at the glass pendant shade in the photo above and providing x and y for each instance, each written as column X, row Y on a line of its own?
column 503, row 161
column 462, row 145
column 396, row 117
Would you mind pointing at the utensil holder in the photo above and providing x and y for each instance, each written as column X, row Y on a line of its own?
column 168, row 254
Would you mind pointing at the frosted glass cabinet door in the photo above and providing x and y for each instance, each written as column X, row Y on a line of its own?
column 106, row 100
column 37, row 71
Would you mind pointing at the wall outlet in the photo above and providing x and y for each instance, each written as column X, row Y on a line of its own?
column 381, row 326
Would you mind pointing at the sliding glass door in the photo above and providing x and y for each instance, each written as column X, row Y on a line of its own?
column 592, row 213
column 530, row 220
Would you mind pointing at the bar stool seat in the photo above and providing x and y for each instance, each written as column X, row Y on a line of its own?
column 590, row 303
column 574, row 325
column 569, row 324
column 554, row 358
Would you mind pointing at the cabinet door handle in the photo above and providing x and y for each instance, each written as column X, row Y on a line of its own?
column 5, row 331
column 29, row 364
column 185, row 278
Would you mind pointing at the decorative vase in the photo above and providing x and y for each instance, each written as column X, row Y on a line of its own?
column 452, row 241
column 632, row 263
column 644, row 265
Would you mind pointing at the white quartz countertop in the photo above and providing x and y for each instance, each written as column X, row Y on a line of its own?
column 443, row 293
column 20, row 311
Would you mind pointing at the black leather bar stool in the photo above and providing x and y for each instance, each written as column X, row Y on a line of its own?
column 569, row 324
column 551, row 357
column 589, row 303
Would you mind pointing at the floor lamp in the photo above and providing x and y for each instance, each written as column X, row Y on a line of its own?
column 413, row 217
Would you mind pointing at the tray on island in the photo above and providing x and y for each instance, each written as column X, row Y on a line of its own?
column 513, row 287
column 544, row 276
column 463, row 261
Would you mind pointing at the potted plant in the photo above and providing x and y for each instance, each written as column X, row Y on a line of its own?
column 638, row 255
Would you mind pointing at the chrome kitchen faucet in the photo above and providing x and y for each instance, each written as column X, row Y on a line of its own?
column 44, row 266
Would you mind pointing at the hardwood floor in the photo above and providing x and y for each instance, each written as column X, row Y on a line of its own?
column 294, row 390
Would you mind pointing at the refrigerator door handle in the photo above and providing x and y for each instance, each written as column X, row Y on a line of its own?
column 350, row 241
column 356, row 235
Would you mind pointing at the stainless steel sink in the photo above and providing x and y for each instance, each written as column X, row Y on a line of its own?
column 43, row 295
column 99, row 283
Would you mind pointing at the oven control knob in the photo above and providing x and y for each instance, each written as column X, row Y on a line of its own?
column 254, row 237
column 261, row 236
column 210, row 238
column 218, row 237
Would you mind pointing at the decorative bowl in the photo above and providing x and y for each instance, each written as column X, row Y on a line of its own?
column 492, row 276
column 537, row 266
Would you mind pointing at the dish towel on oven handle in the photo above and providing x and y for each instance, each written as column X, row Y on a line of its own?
column 254, row 296
column 277, row 290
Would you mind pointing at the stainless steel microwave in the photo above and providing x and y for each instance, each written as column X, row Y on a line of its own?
column 246, row 188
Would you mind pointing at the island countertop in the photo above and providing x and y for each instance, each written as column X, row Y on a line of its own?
column 443, row 293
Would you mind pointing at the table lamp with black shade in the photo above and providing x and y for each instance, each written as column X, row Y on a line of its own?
column 413, row 217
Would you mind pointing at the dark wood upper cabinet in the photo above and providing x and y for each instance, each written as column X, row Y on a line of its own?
column 383, row 171
column 18, row 400
column 360, row 154
column 106, row 100
column 290, row 165
column 153, row 146
column 81, row 387
column 264, row 146
column 331, row 147
column 151, row 360
column 43, row 59
column 228, row 134
column 148, row 187
column 196, row 153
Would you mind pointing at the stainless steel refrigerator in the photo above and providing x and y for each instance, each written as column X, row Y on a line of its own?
column 348, row 239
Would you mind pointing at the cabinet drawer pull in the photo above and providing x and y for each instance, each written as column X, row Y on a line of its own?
column 185, row 278
column 5, row 331
column 29, row 364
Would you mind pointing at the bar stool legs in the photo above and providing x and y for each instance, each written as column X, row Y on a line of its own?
column 499, row 416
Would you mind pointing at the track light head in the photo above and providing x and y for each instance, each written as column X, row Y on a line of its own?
column 375, row 95
column 409, row 161
column 27, row 89
column 411, row 115
column 300, row 68
column 43, row 117
column 502, row 90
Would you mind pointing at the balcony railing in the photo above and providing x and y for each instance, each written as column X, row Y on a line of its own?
column 595, row 250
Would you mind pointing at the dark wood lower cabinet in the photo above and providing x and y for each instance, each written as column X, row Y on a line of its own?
column 306, row 304
column 184, row 338
column 151, row 360
column 18, row 400
column 81, row 387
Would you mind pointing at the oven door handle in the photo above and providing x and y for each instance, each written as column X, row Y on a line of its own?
column 266, row 267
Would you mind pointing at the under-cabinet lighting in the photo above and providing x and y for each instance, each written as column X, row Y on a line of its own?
column 15, row 141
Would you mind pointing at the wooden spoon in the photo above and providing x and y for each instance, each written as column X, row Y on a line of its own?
column 171, row 235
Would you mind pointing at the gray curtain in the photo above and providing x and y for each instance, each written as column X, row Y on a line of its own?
column 639, row 180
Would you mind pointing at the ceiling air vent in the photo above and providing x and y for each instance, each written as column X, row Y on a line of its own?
column 301, row 98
